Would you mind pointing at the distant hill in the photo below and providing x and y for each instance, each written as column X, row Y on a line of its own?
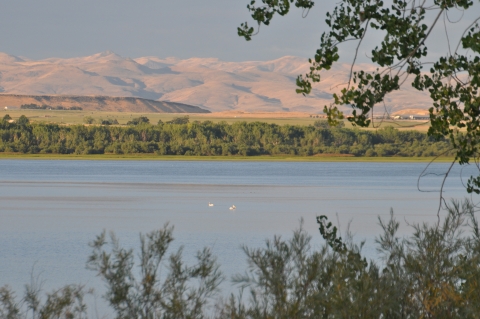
column 100, row 103
column 212, row 84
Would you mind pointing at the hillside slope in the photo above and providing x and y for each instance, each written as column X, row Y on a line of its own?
column 100, row 103
column 212, row 84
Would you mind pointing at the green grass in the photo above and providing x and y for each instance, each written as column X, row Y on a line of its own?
column 286, row 158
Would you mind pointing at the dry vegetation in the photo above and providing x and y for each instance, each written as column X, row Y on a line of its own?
column 291, row 118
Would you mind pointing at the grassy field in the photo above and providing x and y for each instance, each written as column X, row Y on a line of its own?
column 76, row 117
column 153, row 157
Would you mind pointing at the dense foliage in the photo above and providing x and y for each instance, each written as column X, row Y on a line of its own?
column 399, row 30
column 432, row 273
column 208, row 139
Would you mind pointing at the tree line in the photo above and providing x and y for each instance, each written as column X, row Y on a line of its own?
column 180, row 137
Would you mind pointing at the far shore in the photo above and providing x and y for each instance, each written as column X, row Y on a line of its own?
column 286, row 158
column 70, row 117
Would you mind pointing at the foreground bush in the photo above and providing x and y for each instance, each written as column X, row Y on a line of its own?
column 432, row 273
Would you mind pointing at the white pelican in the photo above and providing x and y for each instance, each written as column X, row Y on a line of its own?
column 210, row 204
column 232, row 207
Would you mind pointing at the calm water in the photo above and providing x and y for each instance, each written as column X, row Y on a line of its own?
column 50, row 210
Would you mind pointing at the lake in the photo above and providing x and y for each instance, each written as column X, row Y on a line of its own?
column 51, row 209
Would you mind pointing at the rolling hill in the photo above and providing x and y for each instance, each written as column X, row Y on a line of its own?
column 211, row 84
column 100, row 103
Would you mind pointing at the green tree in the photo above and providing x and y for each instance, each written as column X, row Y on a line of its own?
column 139, row 120
column 110, row 122
column 452, row 81
column 180, row 120
column 88, row 120
column 23, row 120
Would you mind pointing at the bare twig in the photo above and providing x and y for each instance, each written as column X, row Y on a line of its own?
column 441, row 189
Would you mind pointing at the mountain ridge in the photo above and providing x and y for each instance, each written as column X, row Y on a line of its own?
column 208, row 83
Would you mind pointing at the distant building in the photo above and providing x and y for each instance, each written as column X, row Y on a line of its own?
column 419, row 117
column 410, row 117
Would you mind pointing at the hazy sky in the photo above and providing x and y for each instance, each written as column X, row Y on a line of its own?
column 182, row 28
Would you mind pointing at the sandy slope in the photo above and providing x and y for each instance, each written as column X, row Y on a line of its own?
column 252, row 86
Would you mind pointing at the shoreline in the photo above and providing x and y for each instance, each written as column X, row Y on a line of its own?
column 286, row 158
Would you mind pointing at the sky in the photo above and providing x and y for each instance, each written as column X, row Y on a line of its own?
column 181, row 28
column 39, row 29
